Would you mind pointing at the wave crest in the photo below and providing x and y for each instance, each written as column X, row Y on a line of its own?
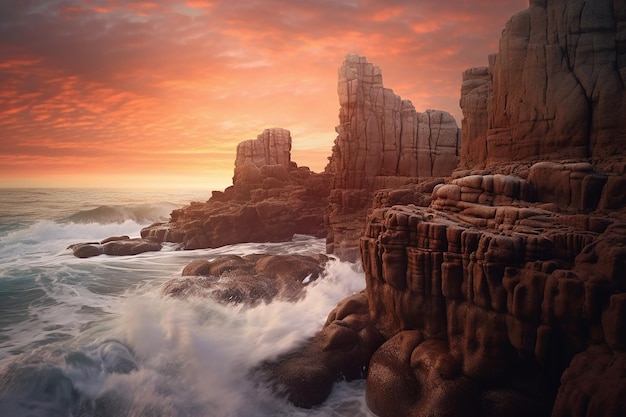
column 108, row 214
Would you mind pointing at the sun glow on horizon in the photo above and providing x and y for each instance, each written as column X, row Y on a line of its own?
column 105, row 93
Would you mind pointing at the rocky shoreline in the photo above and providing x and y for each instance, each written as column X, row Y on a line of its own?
column 494, row 254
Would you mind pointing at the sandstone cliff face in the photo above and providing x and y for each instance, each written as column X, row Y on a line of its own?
column 505, row 295
column 488, row 297
column 271, row 200
column 382, row 142
column 554, row 90
column 272, row 147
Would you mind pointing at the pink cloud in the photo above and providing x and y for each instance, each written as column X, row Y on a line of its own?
column 141, row 85
column 199, row 4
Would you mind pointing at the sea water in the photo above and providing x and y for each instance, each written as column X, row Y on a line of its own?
column 95, row 337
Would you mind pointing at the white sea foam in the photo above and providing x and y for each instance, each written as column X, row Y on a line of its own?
column 210, row 349
column 195, row 356
column 95, row 337
column 46, row 238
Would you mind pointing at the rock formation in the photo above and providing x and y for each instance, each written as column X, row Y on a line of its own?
column 496, row 286
column 340, row 351
column 506, row 295
column 554, row 90
column 271, row 200
column 503, row 292
column 272, row 147
column 115, row 246
column 382, row 142
column 248, row 280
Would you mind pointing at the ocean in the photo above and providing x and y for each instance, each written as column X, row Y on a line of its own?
column 95, row 337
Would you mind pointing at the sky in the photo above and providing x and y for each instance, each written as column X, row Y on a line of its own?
column 121, row 93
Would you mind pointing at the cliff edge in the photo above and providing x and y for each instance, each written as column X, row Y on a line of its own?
column 507, row 294
column 382, row 142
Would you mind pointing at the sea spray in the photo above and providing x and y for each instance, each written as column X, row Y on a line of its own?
column 189, row 357
column 95, row 337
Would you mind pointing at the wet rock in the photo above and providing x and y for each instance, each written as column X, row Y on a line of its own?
column 340, row 351
column 115, row 246
column 126, row 247
column 248, row 280
column 86, row 250
column 271, row 200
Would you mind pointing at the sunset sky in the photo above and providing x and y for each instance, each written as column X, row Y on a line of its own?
column 121, row 93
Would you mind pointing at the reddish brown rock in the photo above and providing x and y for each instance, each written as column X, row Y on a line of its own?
column 249, row 280
column 340, row 351
column 501, row 281
column 271, row 200
column 413, row 377
column 272, row 147
column 593, row 385
column 382, row 142
column 555, row 89
column 115, row 246
column 86, row 250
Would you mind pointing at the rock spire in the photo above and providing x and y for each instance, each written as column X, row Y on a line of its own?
column 382, row 142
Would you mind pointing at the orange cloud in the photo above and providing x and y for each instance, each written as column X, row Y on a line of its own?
column 199, row 4
column 128, row 89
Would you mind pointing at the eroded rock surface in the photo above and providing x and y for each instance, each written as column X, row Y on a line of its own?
column 272, row 147
column 489, row 288
column 248, row 280
column 271, row 200
column 505, row 296
column 555, row 89
column 382, row 142
column 340, row 351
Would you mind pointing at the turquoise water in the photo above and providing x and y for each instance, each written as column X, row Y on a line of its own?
column 94, row 337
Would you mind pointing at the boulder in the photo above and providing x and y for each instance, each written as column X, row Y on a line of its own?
column 86, row 250
column 340, row 351
column 248, row 280
column 115, row 246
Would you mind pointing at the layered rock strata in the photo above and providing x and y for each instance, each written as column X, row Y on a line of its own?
column 555, row 89
column 485, row 298
column 271, row 200
column 272, row 147
column 484, row 294
column 382, row 142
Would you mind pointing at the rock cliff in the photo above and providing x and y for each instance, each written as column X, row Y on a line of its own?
column 488, row 297
column 382, row 142
column 272, row 147
column 271, row 199
column 554, row 90
column 505, row 296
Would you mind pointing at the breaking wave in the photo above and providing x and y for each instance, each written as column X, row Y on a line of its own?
column 109, row 214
